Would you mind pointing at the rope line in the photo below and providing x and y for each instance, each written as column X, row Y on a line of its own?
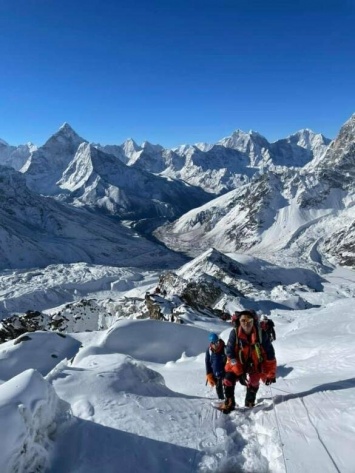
column 319, row 438
column 311, row 422
column 278, row 429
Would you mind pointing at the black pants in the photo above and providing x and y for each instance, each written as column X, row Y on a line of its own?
column 229, row 388
column 219, row 388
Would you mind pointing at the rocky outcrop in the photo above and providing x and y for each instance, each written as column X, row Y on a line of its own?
column 14, row 326
column 154, row 308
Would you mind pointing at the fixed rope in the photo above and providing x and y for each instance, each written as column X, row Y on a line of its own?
column 278, row 429
column 311, row 422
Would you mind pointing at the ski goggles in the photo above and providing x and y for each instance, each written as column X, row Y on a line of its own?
column 246, row 321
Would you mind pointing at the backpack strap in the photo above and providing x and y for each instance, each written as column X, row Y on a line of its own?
column 257, row 345
column 259, row 332
column 236, row 336
column 259, row 336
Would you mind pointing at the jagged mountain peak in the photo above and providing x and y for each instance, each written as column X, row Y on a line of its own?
column 66, row 128
column 351, row 119
column 303, row 131
column 246, row 134
column 212, row 263
column 64, row 136
column 130, row 146
column 15, row 156
column 88, row 152
column 148, row 157
column 85, row 146
column 82, row 167
column 211, row 255
column 337, row 164
column 187, row 148
column 203, row 146
column 150, row 147
column 256, row 134
column 250, row 142
column 303, row 134
column 348, row 129
column 307, row 138
column 46, row 164
column 343, row 142
column 208, row 257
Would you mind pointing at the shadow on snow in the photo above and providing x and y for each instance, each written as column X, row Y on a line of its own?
column 88, row 447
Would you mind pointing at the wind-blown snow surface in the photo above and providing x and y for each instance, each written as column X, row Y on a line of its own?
column 134, row 397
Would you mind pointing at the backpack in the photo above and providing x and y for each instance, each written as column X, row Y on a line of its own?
column 235, row 319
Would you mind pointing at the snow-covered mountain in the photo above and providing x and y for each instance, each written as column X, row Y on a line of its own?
column 299, row 149
column 69, row 168
column 46, row 165
column 215, row 168
column 89, row 383
column 115, row 150
column 335, row 169
column 148, row 153
column 307, row 212
column 231, row 222
column 273, row 203
column 15, row 156
column 36, row 231
column 99, row 180
column 295, row 150
column 230, row 162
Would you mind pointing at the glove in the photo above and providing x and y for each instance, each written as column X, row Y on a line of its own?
column 243, row 379
column 233, row 366
column 210, row 379
column 269, row 381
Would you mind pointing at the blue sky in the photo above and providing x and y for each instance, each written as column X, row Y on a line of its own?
column 174, row 71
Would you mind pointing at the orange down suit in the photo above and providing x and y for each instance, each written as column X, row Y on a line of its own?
column 251, row 357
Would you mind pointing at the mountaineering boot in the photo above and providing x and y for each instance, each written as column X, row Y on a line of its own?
column 228, row 406
column 229, row 403
column 250, row 396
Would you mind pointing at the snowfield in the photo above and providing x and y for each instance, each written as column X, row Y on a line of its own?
column 133, row 398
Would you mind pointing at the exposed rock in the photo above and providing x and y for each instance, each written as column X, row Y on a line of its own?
column 154, row 308
column 16, row 325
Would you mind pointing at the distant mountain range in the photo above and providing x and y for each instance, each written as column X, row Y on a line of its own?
column 306, row 212
column 70, row 201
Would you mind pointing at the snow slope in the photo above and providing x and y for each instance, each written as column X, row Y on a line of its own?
column 139, row 403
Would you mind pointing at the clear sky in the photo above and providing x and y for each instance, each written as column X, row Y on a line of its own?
column 175, row 71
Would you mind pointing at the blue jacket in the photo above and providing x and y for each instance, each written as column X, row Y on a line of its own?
column 216, row 359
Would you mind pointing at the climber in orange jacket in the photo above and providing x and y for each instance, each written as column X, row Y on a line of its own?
column 250, row 358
